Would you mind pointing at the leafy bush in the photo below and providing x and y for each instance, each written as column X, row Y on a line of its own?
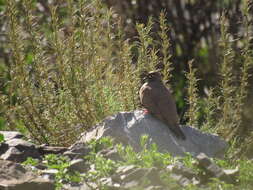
column 72, row 65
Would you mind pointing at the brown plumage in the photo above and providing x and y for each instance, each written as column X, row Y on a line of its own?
column 157, row 99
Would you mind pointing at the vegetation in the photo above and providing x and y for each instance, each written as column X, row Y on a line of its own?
column 149, row 157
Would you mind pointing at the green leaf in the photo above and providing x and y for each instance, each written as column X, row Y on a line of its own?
column 1, row 137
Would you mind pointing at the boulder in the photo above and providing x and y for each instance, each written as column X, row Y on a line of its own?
column 44, row 149
column 8, row 135
column 19, row 150
column 78, row 165
column 128, row 127
column 77, row 150
column 13, row 176
column 111, row 153
column 213, row 170
column 3, row 147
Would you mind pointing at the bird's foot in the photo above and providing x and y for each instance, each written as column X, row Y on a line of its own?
column 145, row 111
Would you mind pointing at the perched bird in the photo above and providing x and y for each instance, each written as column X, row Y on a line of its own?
column 157, row 99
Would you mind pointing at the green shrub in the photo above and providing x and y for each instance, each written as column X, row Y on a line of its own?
column 71, row 66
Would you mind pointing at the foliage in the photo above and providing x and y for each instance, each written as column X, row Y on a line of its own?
column 31, row 162
column 193, row 111
column 148, row 157
column 61, row 164
column 72, row 65
column 1, row 138
column 68, row 72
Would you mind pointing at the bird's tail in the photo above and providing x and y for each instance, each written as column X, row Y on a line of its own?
column 179, row 133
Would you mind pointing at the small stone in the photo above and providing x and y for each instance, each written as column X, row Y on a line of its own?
column 41, row 166
column 232, row 172
column 203, row 160
column 135, row 174
column 78, row 165
column 180, row 169
column 122, row 171
column 92, row 185
column 131, row 184
column 107, row 181
column 153, row 175
column 83, row 186
column 181, row 180
column 155, row 188
column 125, row 169
column 77, row 150
column 184, row 181
column 111, row 153
column 49, row 174
column 212, row 169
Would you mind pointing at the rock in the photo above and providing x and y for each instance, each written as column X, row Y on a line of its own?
column 132, row 175
column 32, row 184
column 130, row 185
column 111, row 153
column 122, row 171
column 181, row 180
column 13, row 154
column 138, row 173
column 3, row 148
column 77, row 150
column 19, row 150
column 44, row 149
column 233, row 173
column 10, row 170
column 8, row 135
column 153, row 176
column 78, row 165
column 20, row 144
column 84, row 186
column 49, row 174
column 41, row 166
column 155, row 188
column 13, row 176
column 212, row 169
column 106, row 181
column 180, row 169
column 128, row 127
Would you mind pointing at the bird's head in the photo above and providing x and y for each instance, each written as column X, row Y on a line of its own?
column 153, row 76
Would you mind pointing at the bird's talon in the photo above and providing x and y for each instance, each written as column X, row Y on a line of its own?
column 145, row 111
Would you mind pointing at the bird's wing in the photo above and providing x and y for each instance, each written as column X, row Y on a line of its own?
column 162, row 106
column 169, row 116
column 149, row 101
column 158, row 100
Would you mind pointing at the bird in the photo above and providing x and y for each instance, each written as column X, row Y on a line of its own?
column 159, row 102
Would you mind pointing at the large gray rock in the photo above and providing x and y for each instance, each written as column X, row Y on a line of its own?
column 128, row 127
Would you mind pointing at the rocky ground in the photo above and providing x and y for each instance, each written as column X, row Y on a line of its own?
column 97, row 162
column 39, row 175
